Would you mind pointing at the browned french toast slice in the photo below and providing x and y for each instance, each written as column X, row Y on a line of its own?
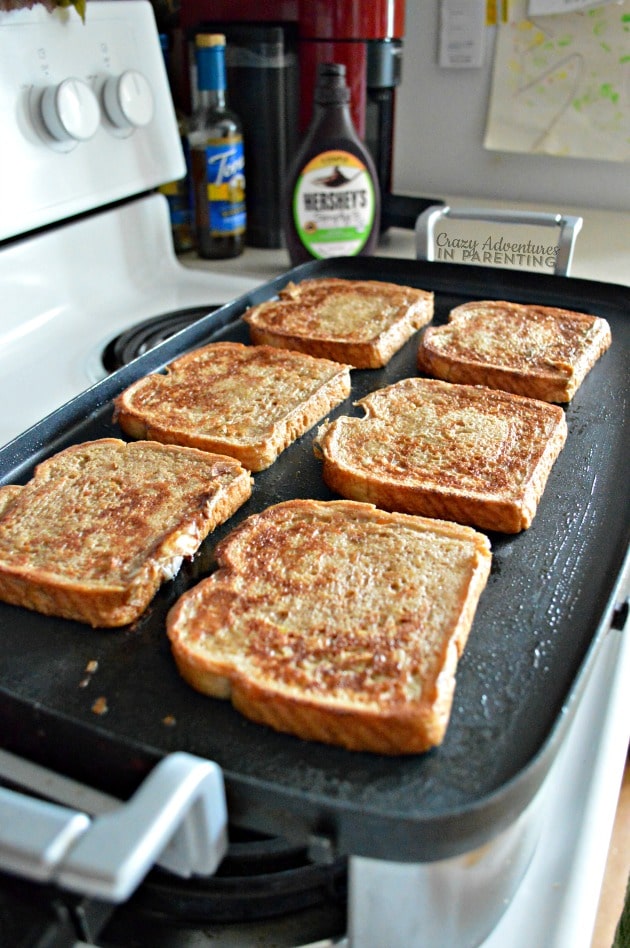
column 335, row 622
column 538, row 351
column 101, row 525
column 359, row 322
column 458, row 452
column 249, row 402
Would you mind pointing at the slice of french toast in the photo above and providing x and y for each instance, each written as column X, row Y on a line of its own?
column 249, row 402
column 335, row 622
column 538, row 351
column 459, row 452
column 359, row 322
column 102, row 524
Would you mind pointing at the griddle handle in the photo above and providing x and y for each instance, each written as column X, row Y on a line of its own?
column 177, row 818
column 402, row 210
column 568, row 228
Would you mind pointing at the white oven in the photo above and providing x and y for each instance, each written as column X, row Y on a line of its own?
column 88, row 133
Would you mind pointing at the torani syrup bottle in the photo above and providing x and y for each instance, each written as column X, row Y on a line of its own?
column 332, row 205
column 216, row 157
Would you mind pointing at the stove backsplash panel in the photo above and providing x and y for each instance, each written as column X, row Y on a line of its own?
column 86, row 114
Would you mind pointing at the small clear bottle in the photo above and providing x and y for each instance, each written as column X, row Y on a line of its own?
column 216, row 157
column 332, row 204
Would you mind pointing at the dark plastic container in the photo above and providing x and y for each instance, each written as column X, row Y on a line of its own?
column 263, row 74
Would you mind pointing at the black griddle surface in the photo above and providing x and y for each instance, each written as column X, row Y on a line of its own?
column 545, row 609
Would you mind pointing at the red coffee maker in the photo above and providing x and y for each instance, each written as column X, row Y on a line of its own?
column 365, row 35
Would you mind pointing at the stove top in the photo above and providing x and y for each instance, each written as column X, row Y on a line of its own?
column 145, row 335
column 266, row 891
column 68, row 291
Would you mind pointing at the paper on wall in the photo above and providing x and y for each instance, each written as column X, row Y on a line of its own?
column 462, row 33
column 561, row 85
column 542, row 7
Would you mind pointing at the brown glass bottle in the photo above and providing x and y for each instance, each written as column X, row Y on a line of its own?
column 332, row 201
column 177, row 193
column 216, row 158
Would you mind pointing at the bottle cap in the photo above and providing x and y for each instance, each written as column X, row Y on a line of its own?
column 209, row 39
column 331, row 87
column 210, row 56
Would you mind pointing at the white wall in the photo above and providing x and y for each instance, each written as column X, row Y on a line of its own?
column 440, row 125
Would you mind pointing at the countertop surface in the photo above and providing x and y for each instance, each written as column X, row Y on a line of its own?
column 601, row 251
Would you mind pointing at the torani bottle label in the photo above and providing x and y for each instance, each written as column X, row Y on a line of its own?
column 225, row 177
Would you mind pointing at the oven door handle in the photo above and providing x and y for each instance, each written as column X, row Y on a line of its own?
column 177, row 818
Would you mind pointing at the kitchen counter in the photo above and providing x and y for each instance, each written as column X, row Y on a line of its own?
column 602, row 253
column 602, row 248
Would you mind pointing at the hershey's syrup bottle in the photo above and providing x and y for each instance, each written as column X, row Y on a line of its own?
column 332, row 205
column 216, row 157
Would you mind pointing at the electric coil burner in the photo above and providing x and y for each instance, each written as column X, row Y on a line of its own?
column 144, row 336
column 264, row 888
column 262, row 881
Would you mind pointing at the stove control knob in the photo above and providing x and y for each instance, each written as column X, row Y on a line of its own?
column 128, row 100
column 70, row 111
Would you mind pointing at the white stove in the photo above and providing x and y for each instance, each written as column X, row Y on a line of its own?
column 88, row 133
column 68, row 292
column 68, row 289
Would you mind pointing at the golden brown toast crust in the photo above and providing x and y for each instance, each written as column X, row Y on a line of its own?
column 538, row 351
column 249, row 402
column 103, row 524
column 359, row 322
column 311, row 627
column 458, row 452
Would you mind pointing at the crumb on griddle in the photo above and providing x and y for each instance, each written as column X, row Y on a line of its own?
column 90, row 670
column 100, row 706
